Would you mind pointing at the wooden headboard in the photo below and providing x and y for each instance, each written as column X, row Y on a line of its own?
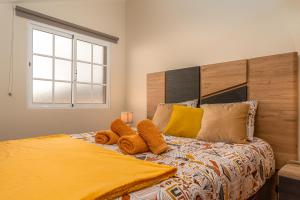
column 272, row 80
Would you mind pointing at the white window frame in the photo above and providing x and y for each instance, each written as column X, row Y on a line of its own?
column 72, row 105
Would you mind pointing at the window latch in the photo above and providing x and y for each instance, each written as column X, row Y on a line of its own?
column 29, row 64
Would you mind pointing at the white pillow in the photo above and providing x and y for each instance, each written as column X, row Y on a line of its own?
column 191, row 103
column 251, row 118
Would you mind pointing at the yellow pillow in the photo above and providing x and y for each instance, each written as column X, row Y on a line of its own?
column 184, row 122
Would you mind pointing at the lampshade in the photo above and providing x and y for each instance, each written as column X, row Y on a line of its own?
column 127, row 117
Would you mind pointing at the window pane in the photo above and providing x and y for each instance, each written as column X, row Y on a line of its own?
column 63, row 47
column 98, row 54
column 84, row 51
column 99, row 74
column 42, row 67
column 84, row 93
column 42, row 42
column 62, row 92
column 99, row 94
column 63, row 70
column 84, row 72
column 42, row 91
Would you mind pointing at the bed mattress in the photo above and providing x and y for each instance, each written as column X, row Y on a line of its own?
column 206, row 170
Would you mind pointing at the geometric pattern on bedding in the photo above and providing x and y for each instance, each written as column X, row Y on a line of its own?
column 206, row 170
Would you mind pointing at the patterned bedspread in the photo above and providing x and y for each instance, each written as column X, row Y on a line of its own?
column 206, row 170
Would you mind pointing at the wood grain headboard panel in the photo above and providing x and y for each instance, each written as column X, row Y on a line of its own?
column 155, row 92
column 221, row 76
column 272, row 80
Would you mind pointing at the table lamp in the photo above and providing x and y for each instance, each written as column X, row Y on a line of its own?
column 127, row 117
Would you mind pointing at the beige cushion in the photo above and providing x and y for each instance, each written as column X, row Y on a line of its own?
column 162, row 115
column 224, row 123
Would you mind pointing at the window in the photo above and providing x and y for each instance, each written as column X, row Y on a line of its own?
column 67, row 70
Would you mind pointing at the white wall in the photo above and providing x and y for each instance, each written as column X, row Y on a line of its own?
column 169, row 34
column 16, row 120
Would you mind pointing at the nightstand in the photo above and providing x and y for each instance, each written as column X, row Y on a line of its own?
column 289, row 182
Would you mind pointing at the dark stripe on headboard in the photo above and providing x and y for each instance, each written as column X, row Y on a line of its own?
column 234, row 95
column 182, row 85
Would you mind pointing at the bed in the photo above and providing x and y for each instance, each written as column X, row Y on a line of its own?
column 206, row 170
column 271, row 80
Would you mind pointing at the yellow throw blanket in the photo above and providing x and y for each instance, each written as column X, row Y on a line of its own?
column 59, row 167
column 132, row 144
